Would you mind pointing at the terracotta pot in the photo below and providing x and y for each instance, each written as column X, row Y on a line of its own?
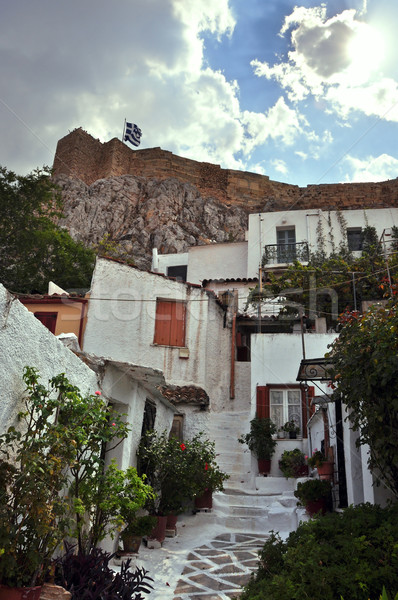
column 171, row 521
column 24, row 593
column 326, row 470
column 302, row 471
column 205, row 500
column 315, row 506
column 264, row 466
column 159, row 531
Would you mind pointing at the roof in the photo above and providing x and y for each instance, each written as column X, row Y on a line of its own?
column 186, row 394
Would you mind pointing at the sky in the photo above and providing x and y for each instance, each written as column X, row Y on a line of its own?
column 303, row 92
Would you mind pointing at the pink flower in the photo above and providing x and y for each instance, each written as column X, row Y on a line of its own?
column 113, row 424
column 97, row 393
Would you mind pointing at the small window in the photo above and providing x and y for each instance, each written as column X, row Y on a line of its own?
column 354, row 239
column 48, row 319
column 170, row 323
column 178, row 271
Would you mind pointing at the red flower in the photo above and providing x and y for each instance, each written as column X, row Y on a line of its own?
column 98, row 393
column 182, row 446
column 206, row 466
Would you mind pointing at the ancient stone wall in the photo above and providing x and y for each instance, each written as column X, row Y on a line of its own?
column 81, row 156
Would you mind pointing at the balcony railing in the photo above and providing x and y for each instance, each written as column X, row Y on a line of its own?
column 275, row 254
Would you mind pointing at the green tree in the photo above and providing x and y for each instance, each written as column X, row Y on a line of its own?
column 365, row 376
column 33, row 248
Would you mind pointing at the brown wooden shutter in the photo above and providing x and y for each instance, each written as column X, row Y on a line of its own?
column 311, row 394
column 263, row 409
column 170, row 323
column 162, row 324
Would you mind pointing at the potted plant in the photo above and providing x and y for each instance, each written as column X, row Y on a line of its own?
column 33, row 512
column 291, row 428
column 292, row 463
column 313, row 494
column 323, row 465
column 137, row 528
column 261, row 442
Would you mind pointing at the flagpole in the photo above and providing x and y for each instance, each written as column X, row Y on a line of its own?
column 124, row 129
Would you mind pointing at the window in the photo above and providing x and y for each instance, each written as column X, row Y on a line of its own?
column 170, row 323
column 48, row 319
column 354, row 239
column 285, row 403
column 286, row 244
column 178, row 271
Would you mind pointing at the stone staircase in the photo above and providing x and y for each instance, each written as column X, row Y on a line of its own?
column 249, row 503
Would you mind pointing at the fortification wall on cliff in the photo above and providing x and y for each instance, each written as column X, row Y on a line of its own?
column 80, row 155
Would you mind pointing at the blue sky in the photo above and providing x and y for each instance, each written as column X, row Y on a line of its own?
column 304, row 92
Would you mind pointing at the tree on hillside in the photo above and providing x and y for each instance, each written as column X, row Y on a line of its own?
column 365, row 373
column 33, row 249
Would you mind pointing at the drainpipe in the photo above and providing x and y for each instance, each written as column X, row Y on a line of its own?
column 232, row 379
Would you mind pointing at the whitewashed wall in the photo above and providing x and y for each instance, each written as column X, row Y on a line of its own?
column 217, row 261
column 24, row 341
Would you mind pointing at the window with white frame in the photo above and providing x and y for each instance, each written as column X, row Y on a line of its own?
column 285, row 405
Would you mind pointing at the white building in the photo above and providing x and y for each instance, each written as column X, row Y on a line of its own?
column 181, row 330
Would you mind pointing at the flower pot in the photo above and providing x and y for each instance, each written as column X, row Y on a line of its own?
column 205, row 500
column 326, row 470
column 131, row 542
column 301, row 471
column 264, row 466
column 171, row 521
column 23, row 593
column 292, row 435
column 315, row 506
column 159, row 531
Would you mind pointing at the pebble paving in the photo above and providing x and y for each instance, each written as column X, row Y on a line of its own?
column 218, row 569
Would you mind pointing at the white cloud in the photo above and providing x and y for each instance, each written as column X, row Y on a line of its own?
column 336, row 60
column 279, row 165
column 372, row 168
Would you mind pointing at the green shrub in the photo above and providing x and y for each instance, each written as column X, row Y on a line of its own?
column 350, row 555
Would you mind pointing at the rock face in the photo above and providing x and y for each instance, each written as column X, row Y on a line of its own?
column 139, row 213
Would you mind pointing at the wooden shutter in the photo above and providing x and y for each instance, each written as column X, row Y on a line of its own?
column 311, row 394
column 263, row 410
column 170, row 323
column 48, row 319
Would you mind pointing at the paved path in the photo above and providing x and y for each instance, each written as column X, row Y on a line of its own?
column 217, row 570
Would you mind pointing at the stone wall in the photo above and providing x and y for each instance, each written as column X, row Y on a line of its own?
column 81, row 156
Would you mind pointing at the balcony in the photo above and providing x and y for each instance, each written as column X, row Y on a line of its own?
column 276, row 254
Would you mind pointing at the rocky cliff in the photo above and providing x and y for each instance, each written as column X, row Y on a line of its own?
column 139, row 213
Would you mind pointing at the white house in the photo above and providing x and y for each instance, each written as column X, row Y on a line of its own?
column 142, row 318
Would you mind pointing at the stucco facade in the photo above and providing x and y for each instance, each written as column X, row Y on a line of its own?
column 121, row 325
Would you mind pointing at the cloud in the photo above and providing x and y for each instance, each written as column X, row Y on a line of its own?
column 372, row 168
column 95, row 63
column 335, row 60
column 279, row 165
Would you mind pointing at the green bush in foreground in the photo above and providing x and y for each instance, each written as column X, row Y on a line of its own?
column 350, row 555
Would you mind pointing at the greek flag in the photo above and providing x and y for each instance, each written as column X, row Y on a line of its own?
column 132, row 134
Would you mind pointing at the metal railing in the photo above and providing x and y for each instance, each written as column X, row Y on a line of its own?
column 285, row 253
